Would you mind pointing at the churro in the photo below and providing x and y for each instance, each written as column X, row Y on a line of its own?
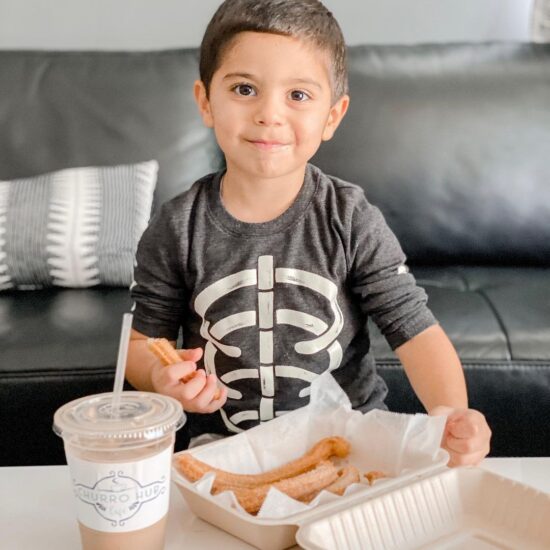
column 298, row 486
column 163, row 349
column 193, row 469
column 346, row 476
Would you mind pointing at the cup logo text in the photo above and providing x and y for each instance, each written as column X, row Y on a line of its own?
column 118, row 497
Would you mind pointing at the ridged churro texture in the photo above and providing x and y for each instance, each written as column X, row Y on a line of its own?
column 301, row 479
column 164, row 350
column 193, row 469
column 298, row 487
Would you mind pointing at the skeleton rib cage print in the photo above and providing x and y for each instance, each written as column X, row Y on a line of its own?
column 267, row 279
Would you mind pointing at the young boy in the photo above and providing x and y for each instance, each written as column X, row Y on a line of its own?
column 271, row 268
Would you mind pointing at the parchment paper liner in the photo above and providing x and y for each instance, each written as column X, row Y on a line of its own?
column 397, row 444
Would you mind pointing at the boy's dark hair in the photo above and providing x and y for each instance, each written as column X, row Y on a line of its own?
column 305, row 19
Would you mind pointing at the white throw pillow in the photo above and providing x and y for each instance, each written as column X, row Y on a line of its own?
column 77, row 227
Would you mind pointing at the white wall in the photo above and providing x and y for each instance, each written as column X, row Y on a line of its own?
column 153, row 24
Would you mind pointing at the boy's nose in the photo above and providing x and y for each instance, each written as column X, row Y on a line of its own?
column 270, row 111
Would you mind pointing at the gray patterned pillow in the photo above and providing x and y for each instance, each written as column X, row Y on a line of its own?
column 77, row 227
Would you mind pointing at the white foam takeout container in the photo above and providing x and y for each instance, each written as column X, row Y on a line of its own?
column 466, row 508
column 437, row 507
column 405, row 447
column 423, row 504
column 277, row 534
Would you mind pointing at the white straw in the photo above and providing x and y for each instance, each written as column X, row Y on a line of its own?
column 121, row 362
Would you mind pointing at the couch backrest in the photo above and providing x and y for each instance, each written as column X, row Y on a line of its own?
column 66, row 109
column 452, row 142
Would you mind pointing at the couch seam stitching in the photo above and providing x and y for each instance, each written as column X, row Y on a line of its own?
column 499, row 321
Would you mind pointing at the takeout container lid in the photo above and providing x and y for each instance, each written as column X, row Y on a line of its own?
column 141, row 416
column 456, row 508
column 408, row 512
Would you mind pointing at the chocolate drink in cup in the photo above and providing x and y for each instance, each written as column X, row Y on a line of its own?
column 120, row 466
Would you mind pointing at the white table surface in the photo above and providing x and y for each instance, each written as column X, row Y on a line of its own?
column 37, row 512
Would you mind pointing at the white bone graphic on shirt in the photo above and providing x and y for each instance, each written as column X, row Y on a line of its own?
column 266, row 279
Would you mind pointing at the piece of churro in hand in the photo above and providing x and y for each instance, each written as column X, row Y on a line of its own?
column 163, row 350
column 193, row 469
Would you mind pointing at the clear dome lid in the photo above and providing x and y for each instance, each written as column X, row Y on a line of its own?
column 141, row 416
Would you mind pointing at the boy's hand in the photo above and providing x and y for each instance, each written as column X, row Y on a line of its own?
column 466, row 437
column 196, row 395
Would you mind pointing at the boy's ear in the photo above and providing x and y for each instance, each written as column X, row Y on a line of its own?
column 203, row 103
column 336, row 114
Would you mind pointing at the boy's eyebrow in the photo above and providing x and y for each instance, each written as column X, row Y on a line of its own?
column 306, row 81
column 248, row 76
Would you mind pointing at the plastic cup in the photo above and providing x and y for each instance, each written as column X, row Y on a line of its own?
column 120, row 466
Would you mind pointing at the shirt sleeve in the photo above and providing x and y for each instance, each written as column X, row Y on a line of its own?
column 158, row 290
column 380, row 278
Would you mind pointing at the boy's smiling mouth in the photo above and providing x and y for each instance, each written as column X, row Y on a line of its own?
column 267, row 145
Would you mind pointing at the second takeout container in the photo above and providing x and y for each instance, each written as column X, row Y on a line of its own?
column 466, row 508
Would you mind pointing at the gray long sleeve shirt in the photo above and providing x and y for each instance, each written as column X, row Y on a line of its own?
column 275, row 304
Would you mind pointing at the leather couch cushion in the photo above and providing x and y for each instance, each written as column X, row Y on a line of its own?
column 57, row 345
column 489, row 313
column 66, row 109
column 60, row 330
column 452, row 143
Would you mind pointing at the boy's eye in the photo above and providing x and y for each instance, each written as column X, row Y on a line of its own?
column 298, row 95
column 244, row 89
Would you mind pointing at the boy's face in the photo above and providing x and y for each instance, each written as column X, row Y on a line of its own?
column 270, row 104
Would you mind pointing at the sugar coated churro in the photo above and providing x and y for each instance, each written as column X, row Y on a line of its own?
column 302, row 479
column 312, row 481
column 164, row 351
column 194, row 469
column 346, row 476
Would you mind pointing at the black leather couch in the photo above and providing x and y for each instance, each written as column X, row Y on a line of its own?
column 451, row 141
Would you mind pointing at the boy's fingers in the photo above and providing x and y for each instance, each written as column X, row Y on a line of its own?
column 206, row 396
column 215, row 404
column 470, row 423
column 193, row 387
column 453, row 424
column 467, row 435
column 193, row 354
column 465, row 445
column 463, row 428
column 462, row 423
column 172, row 374
column 206, row 402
